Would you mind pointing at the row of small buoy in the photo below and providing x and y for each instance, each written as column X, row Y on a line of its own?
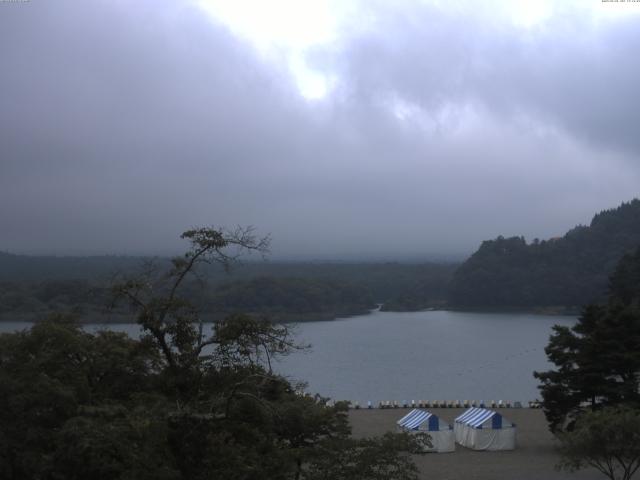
column 388, row 404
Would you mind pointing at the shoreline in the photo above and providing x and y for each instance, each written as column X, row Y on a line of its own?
column 534, row 458
column 560, row 310
column 115, row 319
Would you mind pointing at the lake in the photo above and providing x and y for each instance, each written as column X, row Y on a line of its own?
column 431, row 355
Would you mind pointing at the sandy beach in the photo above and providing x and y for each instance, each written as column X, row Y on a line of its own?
column 534, row 458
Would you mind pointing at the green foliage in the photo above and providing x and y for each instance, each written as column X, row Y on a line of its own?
column 608, row 440
column 290, row 298
column 49, row 296
column 52, row 373
column 567, row 271
column 110, row 442
column 181, row 403
column 284, row 291
column 366, row 459
column 423, row 286
column 598, row 359
column 624, row 284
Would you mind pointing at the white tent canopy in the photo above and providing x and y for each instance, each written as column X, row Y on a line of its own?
column 483, row 429
column 423, row 421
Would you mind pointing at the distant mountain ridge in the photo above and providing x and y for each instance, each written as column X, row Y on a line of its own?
column 569, row 271
column 33, row 287
column 35, row 268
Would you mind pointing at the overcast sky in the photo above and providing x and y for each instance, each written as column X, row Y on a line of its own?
column 372, row 129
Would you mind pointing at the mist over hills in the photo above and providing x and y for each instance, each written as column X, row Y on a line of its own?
column 37, row 268
column 560, row 273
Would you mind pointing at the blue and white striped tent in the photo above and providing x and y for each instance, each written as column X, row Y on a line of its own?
column 476, row 417
column 483, row 429
column 423, row 421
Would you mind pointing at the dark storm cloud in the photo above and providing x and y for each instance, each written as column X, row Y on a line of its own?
column 115, row 118
column 123, row 123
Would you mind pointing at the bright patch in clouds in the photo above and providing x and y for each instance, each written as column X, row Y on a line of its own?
column 277, row 23
column 312, row 84
column 283, row 30
column 529, row 13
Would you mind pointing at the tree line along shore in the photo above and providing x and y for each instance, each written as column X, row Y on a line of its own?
column 189, row 401
column 555, row 276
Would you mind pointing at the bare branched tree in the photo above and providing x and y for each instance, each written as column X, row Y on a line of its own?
column 164, row 314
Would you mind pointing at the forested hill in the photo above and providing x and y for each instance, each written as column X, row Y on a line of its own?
column 33, row 287
column 569, row 271
column 293, row 299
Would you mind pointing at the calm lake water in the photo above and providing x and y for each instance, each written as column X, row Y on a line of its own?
column 436, row 355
